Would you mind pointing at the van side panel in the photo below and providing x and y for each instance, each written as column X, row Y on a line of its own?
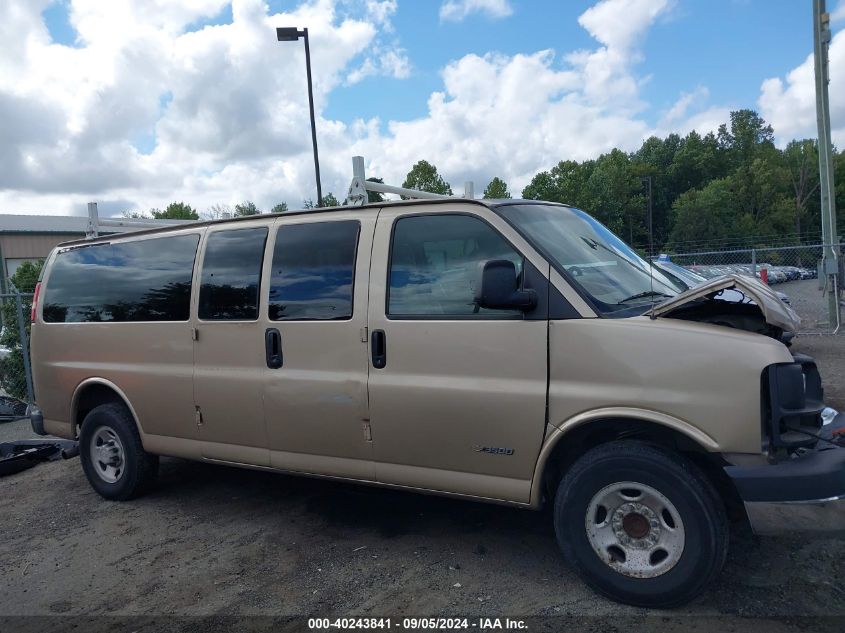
column 151, row 362
column 643, row 364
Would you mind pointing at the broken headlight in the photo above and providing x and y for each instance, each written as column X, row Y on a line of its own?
column 795, row 401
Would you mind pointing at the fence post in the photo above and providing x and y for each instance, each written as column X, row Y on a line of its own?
column 754, row 262
column 24, row 346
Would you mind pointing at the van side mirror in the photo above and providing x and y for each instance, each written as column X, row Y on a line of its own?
column 499, row 289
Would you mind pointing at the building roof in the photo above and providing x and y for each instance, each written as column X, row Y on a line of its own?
column 70, row 224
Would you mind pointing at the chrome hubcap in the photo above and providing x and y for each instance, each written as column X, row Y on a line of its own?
column 635, row 529
column 107, row 454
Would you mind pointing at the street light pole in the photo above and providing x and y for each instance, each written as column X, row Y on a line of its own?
column 291, row 35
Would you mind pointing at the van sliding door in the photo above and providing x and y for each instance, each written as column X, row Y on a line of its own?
column 315, row 373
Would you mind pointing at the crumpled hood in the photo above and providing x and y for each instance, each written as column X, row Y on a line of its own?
column 775, row 311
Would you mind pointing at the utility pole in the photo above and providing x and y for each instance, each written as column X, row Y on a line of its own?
column 644, row 180
column 830, row 265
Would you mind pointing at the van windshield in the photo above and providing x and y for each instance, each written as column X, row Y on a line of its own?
column 603, row 266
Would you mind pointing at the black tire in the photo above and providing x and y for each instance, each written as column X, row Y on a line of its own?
column 704, row 522
column 138, row 469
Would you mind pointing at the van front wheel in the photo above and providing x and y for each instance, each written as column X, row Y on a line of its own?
column 640, row 524
column 112, row 455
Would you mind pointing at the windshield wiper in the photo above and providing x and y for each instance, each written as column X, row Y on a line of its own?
column 643, row 295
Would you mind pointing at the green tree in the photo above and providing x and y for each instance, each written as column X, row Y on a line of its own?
column 330, row 201
column 175, row 211
column 12, row 375
column 759, row 185
column 697, row 161
column 424, row 177
column 707, row 190
column 566, row 183
column 375, row 196
column 801, row 160
column 282, row 207
column 245, row 208
column 839, row 184
column 616, row 196
column 654, row 160
column 748, row 133
column 704, row 217
column 497, row 189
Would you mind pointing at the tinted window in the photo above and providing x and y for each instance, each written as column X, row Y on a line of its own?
column 143, row 280
column 313, row 271
column 231, row 274
column 434, row 264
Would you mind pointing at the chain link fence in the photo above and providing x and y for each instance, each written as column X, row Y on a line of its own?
column 790, row 270
column 16, row 390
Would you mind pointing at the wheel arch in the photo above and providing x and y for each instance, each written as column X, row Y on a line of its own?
column 564, row 444
column 93, row 392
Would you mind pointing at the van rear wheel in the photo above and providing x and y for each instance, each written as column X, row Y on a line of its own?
column 640, row 524
column 112, row 455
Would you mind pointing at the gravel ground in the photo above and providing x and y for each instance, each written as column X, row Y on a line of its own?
column 211, row 540
column 810, row 303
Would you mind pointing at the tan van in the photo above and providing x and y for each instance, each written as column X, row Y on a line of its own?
column 514, row 351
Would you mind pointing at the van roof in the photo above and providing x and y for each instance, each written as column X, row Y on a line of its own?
column 372, row 206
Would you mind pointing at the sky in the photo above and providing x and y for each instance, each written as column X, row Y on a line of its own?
column 134, row 104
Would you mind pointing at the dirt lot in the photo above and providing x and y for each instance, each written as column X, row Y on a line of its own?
column 211, row 540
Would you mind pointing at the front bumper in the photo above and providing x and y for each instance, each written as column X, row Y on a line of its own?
column 822, row 516
column 802, row 494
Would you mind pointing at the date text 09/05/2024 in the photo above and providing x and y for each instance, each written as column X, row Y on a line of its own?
column 410, row 624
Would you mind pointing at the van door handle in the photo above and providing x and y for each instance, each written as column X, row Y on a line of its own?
column 273, row 347
column 378, row 344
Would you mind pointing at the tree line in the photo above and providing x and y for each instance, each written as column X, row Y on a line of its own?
column 729, row 188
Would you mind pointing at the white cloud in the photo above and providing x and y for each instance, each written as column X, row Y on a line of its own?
column 391, row 61
column 228, row 111
column 458, row 10
column 233, row 97
column 789, row 104
column 681, row 107
column 381, row 12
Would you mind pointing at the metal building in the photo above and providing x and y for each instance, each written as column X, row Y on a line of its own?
column 32, row 237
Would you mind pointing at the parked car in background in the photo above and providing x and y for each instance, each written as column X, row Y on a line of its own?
column 776, row 274
column 689, row 278
column 12, row 409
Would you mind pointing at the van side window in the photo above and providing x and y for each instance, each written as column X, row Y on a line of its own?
column 141, row 280
column 435, row 265
column 314, row 271
column 231, row 275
